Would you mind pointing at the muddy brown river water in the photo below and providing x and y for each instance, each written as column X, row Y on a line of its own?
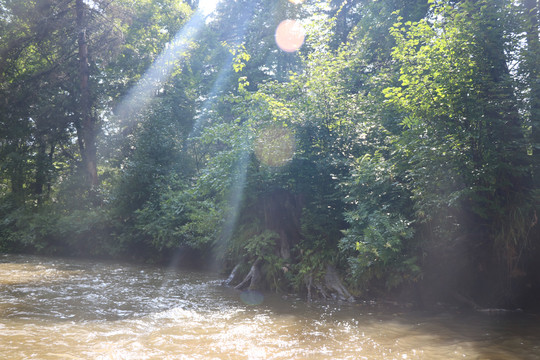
column 69, row 309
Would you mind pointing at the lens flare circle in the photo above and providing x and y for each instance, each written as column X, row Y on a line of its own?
column 290, row 35
column 252, row 297
column 275, row 146
column 296, row 2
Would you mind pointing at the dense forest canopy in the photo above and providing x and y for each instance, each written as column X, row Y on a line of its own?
column 331, row 148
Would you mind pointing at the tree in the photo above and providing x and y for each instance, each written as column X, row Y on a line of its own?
column 60, row 78
column 531, row 64
column 464, row 148
column 36, row 111
column 87, row 119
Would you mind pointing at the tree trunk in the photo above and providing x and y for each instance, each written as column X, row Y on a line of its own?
column 42, row 169
column 331, row 289
column 88, row 122
column 282, row 211
column 334, row 284
column 501, row 109
column 17, row 172
column 532, row 13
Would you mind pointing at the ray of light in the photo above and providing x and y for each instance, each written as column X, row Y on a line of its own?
column 145, row 90
column 203, row 117
column 235, row 199
column 236, row 193
column 139, row 96
column 207, row 6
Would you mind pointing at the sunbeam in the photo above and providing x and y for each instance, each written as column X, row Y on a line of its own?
column 237, row 190
column 140, row 96
column 203, row 115
column 219, row 84
column 149, row 85
column 235, row 199
column 207, row 6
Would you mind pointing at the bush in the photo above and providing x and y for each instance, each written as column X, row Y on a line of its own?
column 379, row 243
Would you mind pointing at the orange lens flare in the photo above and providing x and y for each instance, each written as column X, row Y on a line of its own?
column 290, row 35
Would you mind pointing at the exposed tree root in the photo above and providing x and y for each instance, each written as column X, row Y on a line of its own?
column 253, row 278
column 328, row 288
column 332, row 288
column 232, row 277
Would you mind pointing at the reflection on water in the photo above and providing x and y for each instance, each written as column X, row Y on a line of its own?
column 60, row 309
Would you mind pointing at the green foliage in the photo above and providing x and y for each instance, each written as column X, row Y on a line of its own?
column 317, row 249
column 60, row 229
column 261, row 244
column 379, row 241
column 464, row 146
column 312, row 265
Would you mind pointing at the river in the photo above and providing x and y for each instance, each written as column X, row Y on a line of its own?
column 70, row 309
